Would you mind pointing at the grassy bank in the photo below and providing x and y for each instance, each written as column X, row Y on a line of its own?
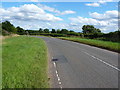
column 0, row 62
column 98, row 43
column 24, row 63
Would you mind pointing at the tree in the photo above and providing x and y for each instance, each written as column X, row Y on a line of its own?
column 8, row 27
column 0, row 29
column 64, row 31
column 71, row 31
column 40, row 30
column 58, row 30
column 46, row 30
column 90, row 29
column 53, row 31
column 20, row 30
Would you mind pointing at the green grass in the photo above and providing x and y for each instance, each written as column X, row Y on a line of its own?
column 24, row 63
column 113, row 46
column 0, row 63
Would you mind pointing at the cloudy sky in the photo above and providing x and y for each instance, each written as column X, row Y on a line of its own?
column 70, row 15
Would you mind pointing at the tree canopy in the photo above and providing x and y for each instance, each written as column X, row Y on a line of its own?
column 46, row 30
column 20, row 30
column 8, row 27
column 88, row 29
column 53, row 31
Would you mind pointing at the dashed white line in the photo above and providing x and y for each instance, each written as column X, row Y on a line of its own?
column 59, row 82
column 98, row 58
column 58, row 78
column 102, row 61
column 61, row 87
column 56, row 72
column 54, row 64
column 57, row 75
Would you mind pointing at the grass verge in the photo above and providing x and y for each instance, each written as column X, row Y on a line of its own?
column 24, row 63
column 113, row 46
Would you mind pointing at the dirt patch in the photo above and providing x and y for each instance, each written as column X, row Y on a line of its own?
column 12, row 35
column 4, row 37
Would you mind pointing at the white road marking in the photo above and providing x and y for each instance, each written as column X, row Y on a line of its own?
column 98, row 59
column 57, row 75
column 58, row 78
column 59, row 82
column 102, row 61
column 54, row 64
column 61, row 87
column 56, row 72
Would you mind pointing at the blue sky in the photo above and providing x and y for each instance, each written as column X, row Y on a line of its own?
column 56, row 0
column 69, row 15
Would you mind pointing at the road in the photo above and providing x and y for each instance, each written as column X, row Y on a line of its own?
column 76, row 65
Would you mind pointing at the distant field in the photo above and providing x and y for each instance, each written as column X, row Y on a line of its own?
column 98, row 43
column 24, row 63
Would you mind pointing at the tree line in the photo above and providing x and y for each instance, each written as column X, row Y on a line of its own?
column 88, row 31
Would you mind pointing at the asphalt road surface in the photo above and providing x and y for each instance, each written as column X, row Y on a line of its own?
column 75, row 65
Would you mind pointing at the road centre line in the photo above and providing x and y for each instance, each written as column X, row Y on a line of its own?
column 102, row 61
column 82, row 50
column 58, row 78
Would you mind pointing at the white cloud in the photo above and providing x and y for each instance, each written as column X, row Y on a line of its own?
column 67, row 12
column 93, row 4
column 50, row 9
column 106, row 22
column 97, row 4
column 27, row 12
column 107, row 15
column 47, row 8
column 34, row 0
column 88, row 21
column 104, row 1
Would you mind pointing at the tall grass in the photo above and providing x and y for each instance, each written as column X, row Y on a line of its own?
column 24, row 63
column 0, row 62
column 114, row 46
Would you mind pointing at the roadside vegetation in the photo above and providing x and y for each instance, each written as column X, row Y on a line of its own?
column 113, row 46
column 24, row 63
column 89, row 35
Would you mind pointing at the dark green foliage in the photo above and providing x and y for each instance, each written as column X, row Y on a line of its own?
column 20, row 31
column 73, row 34
column 91, row 32
column 58, row 30
column 46, row 30
column 112, row 36
column 33, row 32
column 64, row 31
column 71, row 31
column 57, row 35
column 87, row 29
column 9, row 27
column 53, row 31
column 0, row 29
column 40, row 30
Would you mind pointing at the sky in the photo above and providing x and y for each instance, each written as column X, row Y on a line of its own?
column 33, row 15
